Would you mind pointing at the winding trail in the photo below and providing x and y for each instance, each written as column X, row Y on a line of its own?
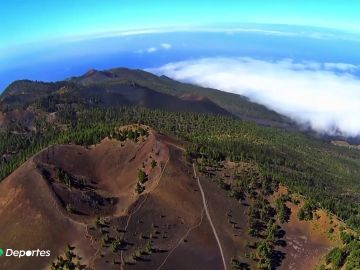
column 137, row 209
column 209, row 217
column 205, row 208
column 182, row 239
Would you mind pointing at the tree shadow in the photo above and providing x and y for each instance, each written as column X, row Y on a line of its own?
column 277, row 258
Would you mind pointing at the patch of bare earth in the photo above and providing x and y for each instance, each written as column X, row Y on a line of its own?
column 308, row 241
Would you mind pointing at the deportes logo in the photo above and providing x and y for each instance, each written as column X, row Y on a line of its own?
column 24, row 253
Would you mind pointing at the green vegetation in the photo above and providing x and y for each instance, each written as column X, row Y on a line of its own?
column 306, row 212
column 353, row 261
column 83, row 114
column 149, row 247
column 336, row 257
column 153, row 164
column 348, row 255
column 70, row 208
column 346, row 238
column 262, row 225
column 99, row 223
column 64, row 178
column 132, row 134
column 105, row 238
column 70, row 262
column 142, row 177
column 264, row 254
column 322, row 172
column 116, row 245
column 283, row 212
column 236, row 264
column 139, row 188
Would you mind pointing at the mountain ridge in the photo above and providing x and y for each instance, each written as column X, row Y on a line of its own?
column 97, row 85
column 21, row 93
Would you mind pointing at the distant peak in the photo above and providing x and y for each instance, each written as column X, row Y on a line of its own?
column 91, row 72
column 98, row 74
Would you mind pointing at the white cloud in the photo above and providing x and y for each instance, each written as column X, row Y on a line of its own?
column 306, row 32
column 166, row 46
column 340, row 66
column 151, row 50
column 324, row 95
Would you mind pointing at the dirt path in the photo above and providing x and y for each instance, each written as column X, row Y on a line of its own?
column 137, row 209
column 205, row 208
column 209, row 217
column 182, row 239
column 176, row 146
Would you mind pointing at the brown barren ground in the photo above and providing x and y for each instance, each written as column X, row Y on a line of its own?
column 308, row 241
column 164, row 227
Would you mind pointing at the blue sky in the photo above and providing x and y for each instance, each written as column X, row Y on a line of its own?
column 23, row 22
column 298, row 57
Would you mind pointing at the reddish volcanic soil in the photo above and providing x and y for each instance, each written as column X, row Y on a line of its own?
column 86, row 197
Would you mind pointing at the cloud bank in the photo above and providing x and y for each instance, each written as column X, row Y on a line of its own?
column 325, row 96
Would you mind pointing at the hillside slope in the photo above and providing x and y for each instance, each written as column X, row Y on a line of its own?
column 237, row 105
column 125, row 87
column 90, row 199
column 251, row 196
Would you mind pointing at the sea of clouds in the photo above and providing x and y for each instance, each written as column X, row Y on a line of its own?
column 325, row 96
